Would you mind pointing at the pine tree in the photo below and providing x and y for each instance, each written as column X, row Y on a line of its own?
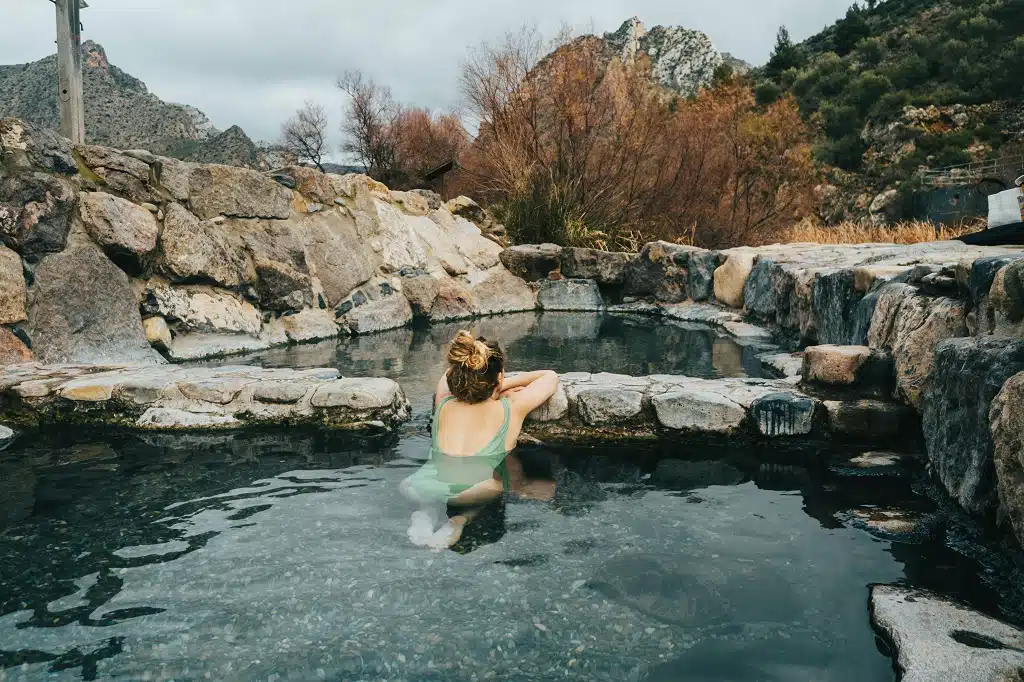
column 785, row 56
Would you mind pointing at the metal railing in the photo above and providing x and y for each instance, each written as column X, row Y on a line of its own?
column 1007, row 167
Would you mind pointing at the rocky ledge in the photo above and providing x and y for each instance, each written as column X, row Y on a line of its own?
column 196, row 398
column 937, row 640
column 603, row 406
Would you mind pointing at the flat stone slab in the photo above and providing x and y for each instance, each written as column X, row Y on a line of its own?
column 937, row 640
column 605, row 406
column 195, row 398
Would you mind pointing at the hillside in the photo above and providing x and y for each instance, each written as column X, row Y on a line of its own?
column 906, row 84
column 121, row 112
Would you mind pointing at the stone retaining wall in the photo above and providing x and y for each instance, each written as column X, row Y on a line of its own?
column 196, row 398
column 604, row 406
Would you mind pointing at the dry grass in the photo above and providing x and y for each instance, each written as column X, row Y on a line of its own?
column 912, row 232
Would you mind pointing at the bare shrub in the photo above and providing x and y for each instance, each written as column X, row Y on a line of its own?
column 304, row 135
column 579, row 147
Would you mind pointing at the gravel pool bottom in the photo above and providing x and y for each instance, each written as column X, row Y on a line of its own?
column 283, row 556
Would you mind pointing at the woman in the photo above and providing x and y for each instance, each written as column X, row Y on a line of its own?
column 477, row 420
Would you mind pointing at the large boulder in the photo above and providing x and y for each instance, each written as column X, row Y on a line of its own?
column 532, row 262
column 608, row 268
column 660, row 270
column 174, row 177
column 203, row 309
column 1007, row 300
column 390, row 312
column 312, row 184
column 937, row 640
column 127, row 233
column 236, row 192
column 278, row 253
column 1007, row 422
column 421, row 290
column 200, row 252
column 336, row 255
column 12, row 287
column 83, row 310
column 570, row 295
column 910, row 326
column 702, row 273
column 835, row 299
column 499, row 291
column 25, row 145
column 12, row 350
column 36, row 210
column 109, row 169
column 968, row 375
column 731, row 278
column 453, row 302
column 849, row 367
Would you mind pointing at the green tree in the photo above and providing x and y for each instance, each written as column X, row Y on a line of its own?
column 785, row 56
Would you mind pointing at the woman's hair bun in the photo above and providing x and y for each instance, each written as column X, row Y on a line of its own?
column 469, row 352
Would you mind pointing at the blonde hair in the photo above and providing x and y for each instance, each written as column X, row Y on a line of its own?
column 474, row 368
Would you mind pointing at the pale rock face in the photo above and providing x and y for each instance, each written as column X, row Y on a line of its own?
column 731, row 278
column 554, row 409
column 682, row 60
column 470, row 242
column 411, row 203
column 12, row 287
column 237, row 193
column 195, row 251
column 122, row 229
column 532, row 262
column 205, row 310
column 395, row 241
column 440, row 247
column 336, row 255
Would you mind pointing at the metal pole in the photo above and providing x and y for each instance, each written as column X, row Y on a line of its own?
column 69, row 64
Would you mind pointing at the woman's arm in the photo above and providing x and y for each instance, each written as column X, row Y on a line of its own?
column 541, row 387
column 521, row 380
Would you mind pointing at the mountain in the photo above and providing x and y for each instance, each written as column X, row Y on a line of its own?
column 682, row 60
column 121, row 112
column 899, row 86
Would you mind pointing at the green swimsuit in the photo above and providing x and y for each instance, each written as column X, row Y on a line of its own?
column 444, row 476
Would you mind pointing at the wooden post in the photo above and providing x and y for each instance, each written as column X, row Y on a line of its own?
column 69, row 64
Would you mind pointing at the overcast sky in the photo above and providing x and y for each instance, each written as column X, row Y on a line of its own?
column 253, row 62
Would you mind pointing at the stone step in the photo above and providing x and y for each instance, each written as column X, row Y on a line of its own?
column 855, row 370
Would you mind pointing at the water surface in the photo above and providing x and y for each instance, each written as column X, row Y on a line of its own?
column 282, row 555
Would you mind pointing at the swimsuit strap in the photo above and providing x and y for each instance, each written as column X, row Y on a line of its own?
column 437, row 417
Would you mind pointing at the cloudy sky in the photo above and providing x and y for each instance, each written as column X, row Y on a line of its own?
column 253, row 62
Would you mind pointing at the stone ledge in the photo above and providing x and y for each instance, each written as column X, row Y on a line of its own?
column 610, row 406
column 196, row 398
column 938, row 640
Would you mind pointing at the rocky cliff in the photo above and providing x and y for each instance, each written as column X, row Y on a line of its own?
column 121, row 112
column 682, row 60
